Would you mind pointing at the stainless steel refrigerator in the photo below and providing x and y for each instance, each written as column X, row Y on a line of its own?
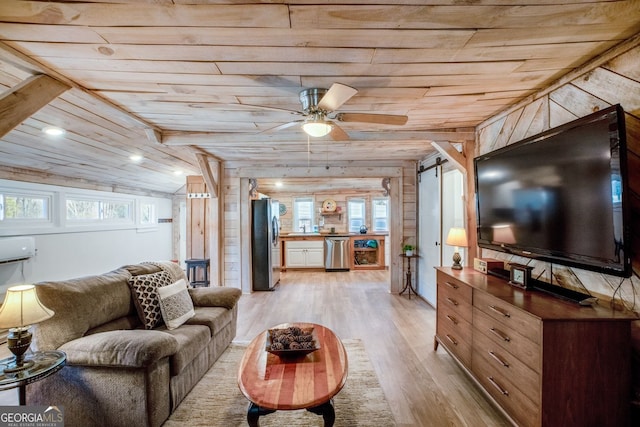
column 265, row 240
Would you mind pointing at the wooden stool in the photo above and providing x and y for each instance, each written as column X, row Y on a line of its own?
column 192, row 272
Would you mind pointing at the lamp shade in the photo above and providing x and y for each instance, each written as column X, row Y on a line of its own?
column 503, row 234
column 457, row 237
column 317, row 128
column 21, row 307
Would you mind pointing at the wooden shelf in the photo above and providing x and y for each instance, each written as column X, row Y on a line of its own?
column 367, row 258
column 338, row 214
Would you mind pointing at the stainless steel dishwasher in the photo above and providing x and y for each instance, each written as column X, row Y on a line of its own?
column 336, row 253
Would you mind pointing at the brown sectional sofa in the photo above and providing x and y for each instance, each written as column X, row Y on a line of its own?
column 117, row 372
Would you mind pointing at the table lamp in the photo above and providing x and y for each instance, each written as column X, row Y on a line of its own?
column 457, row 237
column 21, row 309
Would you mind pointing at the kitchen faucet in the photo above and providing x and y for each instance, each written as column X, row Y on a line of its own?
column 304, row 228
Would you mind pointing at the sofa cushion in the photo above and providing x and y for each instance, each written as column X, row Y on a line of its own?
column 191, row 339
column 214, row 318
column 215, row 297
column 144, row 268
column 80, row 305
column 145, row 297
column 136, row 348
column 132, row 321
column 175, row 304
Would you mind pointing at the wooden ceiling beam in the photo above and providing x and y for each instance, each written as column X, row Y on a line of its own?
column 450, row 152
column 319, row 172
column 207, row 174
column 17, row 58
column 23, row 100
column 206, row 139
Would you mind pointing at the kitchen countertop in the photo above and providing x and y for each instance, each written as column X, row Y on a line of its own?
column 318, row 236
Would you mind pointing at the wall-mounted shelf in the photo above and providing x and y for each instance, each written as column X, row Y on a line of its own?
column 327, row 213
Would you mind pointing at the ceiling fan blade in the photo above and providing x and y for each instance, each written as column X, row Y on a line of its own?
column 282, row 126
column 337, row 133
column 385, row 119
column 337, row 95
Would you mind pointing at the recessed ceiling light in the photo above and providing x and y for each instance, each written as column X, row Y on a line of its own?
column 177, row 172
column 278, row 184
column 135, row 157
column 53, row 130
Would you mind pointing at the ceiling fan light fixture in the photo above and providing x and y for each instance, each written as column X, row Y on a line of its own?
column 317, row 128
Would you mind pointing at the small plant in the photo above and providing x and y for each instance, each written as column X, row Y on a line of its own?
column 406, row 248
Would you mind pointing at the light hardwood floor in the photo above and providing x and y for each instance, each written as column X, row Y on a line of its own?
column 423, row 387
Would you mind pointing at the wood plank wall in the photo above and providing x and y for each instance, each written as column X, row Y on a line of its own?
column 198, row 222
column 615, row 81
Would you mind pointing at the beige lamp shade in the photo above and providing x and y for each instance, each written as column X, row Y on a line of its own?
column 503, row 234
column 21, row 307
column 457, row 237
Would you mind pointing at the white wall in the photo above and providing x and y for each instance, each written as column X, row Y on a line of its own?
column 64, row 254
column 453, row 209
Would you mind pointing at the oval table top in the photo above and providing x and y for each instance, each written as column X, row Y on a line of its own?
column 272, row 382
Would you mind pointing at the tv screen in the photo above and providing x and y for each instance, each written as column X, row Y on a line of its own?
column 559, row 196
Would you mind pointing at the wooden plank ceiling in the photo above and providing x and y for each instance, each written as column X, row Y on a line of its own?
column 167, row 79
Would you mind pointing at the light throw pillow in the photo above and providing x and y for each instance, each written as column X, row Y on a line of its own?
column 145, row 297
column 175, row 304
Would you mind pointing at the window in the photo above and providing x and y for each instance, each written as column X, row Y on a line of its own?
column 25, row 207
column 87, row 210
column 303, row 214
column 380, row 215
column 356, row 211
column 28, row 208
column 148, row 214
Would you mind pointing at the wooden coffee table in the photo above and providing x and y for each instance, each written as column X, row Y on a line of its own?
column 308, row 382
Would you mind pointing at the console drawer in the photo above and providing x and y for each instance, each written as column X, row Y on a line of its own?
column 522, row 376
column 509, row 316
column 518, row 404
column 510, row 340
column 455, row 296
column 455, row 335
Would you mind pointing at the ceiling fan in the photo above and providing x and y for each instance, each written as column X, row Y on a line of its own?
column 319, row 107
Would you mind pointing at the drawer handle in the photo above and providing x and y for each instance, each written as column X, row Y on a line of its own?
column 497, row 386
column 498, row 358
column 500, row 334
column 452, row 301
column 499, row 310
column 453, row 319
column 453, row 340
column 452, row 285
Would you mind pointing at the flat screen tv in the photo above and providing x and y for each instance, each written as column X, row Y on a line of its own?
column 559, row 196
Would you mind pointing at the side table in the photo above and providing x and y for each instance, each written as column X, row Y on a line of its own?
column 408, row 286
column 45, row 363
column 192, row 271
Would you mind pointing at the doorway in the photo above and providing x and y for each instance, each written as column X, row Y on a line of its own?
column 440, row 207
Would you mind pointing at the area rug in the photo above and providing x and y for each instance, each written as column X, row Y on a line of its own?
column 216, row 400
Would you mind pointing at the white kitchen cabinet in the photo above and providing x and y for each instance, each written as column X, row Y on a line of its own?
column 304, row 254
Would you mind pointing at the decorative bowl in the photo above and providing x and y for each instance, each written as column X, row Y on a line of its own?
column 281, row 346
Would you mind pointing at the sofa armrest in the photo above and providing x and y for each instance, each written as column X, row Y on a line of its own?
column 215, row 297
column 124, row 348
